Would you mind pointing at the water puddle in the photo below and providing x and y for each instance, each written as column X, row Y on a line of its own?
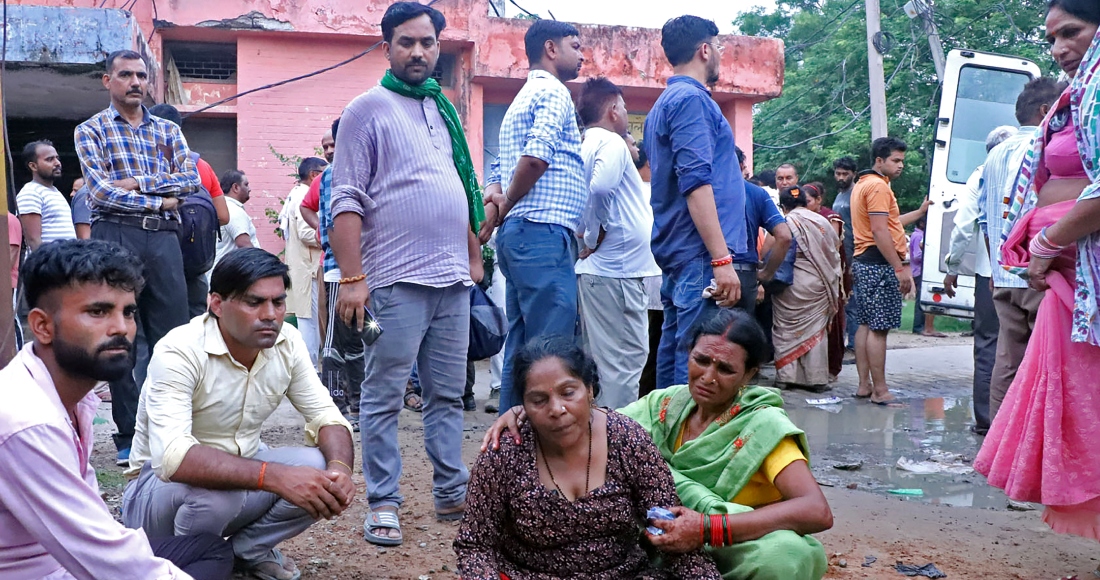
column 856, row 442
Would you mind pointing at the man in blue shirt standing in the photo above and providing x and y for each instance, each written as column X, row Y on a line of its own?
column 698, row 197
column 760, row 212
column 536, row 192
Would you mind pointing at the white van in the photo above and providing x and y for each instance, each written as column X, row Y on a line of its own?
column 979, row 95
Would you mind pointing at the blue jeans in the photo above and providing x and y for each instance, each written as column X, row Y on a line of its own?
column 538, row 262
column 682, row 298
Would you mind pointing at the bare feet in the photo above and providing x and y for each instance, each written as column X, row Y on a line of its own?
column 882, row 397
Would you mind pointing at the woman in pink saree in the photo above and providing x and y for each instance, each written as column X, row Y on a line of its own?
column 1044, row 444
column 804, row 311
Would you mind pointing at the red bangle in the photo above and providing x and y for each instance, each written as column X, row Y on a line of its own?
column 721, row 261
column 263, row 471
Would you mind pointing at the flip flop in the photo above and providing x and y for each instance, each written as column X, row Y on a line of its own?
column 885, row 403
column 386, row 519
column 859, row 396
column 451, row 514
column 281, row 561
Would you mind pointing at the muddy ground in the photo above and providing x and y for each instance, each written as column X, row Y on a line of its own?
column 987, row 541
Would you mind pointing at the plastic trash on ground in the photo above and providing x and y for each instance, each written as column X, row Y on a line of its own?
column 928, row 570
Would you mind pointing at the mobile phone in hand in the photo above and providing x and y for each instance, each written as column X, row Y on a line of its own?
column 371, row 329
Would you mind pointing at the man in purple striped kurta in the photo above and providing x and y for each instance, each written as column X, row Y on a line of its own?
column 401, row 221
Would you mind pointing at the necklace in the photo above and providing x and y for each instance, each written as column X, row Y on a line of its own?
column 587, row 469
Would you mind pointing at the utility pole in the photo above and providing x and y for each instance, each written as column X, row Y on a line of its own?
column 874, row 72
column 921, row 9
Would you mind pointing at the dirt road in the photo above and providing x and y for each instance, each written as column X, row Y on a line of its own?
column 964, row 542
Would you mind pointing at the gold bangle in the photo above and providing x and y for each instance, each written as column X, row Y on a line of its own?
column 353, row 279
column 341, row 463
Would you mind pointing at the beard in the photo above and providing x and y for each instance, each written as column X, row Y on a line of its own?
column 97, row 366
column 413, row 79
column 712, row 72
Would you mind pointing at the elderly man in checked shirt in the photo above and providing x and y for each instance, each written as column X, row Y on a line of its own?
column 537, row 192
column 137, row 168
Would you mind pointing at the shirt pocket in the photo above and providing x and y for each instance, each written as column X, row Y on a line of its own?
column 264, row 405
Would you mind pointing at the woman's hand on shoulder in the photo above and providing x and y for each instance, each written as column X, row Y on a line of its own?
column 506, row 424
column 681, row 534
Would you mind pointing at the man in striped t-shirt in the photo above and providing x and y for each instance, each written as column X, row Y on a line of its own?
column 43, row 211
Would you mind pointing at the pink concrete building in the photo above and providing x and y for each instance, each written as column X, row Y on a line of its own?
column 206, row 50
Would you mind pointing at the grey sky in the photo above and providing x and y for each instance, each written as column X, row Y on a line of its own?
column 644, row 13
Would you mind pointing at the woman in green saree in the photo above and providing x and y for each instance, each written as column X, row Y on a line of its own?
column 734, row 455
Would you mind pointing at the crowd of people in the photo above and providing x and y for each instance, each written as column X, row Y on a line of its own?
column 646, row 286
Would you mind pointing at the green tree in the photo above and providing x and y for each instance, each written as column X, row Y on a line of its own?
column 824, row 111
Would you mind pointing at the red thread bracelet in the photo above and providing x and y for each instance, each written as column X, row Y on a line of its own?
column 263, row 471
column 721, row 262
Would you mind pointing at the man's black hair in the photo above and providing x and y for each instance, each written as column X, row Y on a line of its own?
column 239, row 269
column 882, row 147
column 767, row 178
column 124, row 55
column 846, row 163
column 576, row 362
column 642, row 157
column 69, row 263
column 167, row 112
column 739, row 328
column 596, row 95
column 335, row 126
column 230, row 178
column 309, row 165
column 401, row 12
column 1087, row 10
column 681, row 36
column 1038, row 92
column 534, row 42
column 30, row 150
column 740, row 155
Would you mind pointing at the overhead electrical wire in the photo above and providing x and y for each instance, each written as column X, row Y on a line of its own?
column 344, row 62
column 846, row 125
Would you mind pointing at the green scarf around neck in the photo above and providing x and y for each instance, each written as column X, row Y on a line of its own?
column 461, row 151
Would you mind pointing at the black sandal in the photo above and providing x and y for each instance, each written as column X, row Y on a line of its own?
column 413, row 401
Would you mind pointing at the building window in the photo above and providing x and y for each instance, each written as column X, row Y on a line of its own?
column 444, row 71
column 204, row 61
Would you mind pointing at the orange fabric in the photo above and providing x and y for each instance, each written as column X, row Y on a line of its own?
column 872, row 194
column 209, row 178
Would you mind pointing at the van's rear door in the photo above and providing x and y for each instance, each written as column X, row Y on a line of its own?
column 979, row 95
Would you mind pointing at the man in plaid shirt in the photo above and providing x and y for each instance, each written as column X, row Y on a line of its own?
column 137, row 168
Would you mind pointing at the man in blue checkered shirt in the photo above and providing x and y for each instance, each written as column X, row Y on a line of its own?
column 536, row 192
column 137, row 168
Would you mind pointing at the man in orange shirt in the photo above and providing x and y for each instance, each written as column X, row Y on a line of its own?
column 881, row 266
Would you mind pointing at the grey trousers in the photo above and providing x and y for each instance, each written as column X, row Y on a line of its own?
column 1016, row 310
column 615, row 327
column 986, row 328
column 430, row 326
column 254, row 521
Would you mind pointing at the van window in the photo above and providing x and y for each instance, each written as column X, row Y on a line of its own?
column 986, row 99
